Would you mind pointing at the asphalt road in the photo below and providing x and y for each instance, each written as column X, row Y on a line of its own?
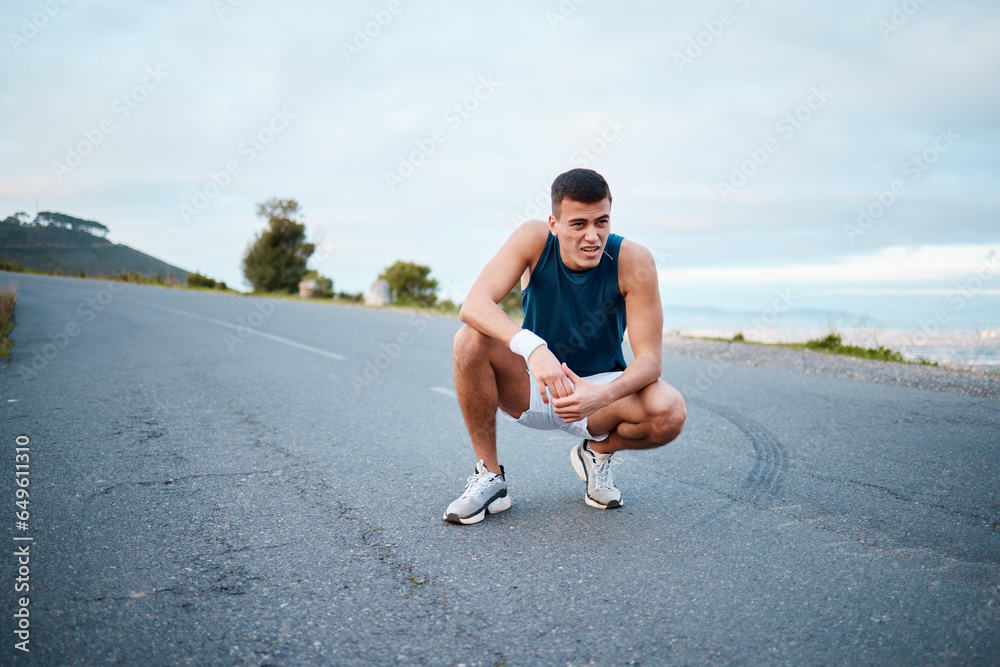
column 226, row 480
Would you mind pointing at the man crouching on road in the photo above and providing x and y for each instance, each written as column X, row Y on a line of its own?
column 565, row 369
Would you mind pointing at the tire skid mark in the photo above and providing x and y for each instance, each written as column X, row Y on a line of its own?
column 766, row 478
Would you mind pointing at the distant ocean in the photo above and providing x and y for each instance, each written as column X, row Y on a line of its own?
column 951, row 333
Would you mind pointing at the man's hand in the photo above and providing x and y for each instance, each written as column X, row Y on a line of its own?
column 585, row 400
column 549, row 374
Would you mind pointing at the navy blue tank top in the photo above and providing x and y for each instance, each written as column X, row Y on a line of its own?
column 580, row 314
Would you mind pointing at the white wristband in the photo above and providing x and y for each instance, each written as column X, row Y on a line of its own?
column 525, row 342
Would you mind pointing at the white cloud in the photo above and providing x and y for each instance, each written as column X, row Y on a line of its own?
column 559, row 85
column 899, row 264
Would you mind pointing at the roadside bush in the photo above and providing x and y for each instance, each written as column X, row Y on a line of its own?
column 129, row 277
column 198, row 280
column 8, row 299
column 448, row 306
column 348, row 296
column 833, row 344
column 324, row 285
column 511, row 303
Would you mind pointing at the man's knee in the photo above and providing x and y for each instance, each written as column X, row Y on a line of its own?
column 667, row 414
column 468, row 344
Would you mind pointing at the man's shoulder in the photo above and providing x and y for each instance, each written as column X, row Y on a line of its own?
column 531, row 236
column 636, row 267
column 532, row 229
column 630, row 251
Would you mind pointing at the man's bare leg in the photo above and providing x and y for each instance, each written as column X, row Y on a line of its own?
column 487, row 375
column 650, row 418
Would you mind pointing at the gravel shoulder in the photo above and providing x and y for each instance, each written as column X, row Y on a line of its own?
column 951, row 380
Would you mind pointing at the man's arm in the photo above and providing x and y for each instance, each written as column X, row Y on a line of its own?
column 481, row 312
column 639, row 283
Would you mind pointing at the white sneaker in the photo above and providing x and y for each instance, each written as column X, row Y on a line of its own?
column 485, row 492
column 595, row 470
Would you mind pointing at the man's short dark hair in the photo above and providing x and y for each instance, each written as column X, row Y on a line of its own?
column 583, row 185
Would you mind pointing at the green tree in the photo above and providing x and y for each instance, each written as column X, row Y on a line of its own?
column 276, row 260
column 409, row 284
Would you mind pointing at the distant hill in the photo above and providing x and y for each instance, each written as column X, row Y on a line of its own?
column 56, row 241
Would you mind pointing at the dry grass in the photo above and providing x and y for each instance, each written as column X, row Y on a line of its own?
column 8, row 299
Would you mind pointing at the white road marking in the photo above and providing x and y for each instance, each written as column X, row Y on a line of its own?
column 257, row 332
column 446, row 392
column 278, row 339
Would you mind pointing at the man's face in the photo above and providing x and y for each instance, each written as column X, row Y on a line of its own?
column 582, row 230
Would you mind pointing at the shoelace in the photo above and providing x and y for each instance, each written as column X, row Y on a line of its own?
column 476, row 483
column 605, row 479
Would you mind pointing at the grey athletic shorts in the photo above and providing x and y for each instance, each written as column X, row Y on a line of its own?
column 542, row 416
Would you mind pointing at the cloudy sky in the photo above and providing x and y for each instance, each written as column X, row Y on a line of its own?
column 740, row 138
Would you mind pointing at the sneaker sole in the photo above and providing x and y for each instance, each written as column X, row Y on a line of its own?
column 498, row 505
column 575, row 458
